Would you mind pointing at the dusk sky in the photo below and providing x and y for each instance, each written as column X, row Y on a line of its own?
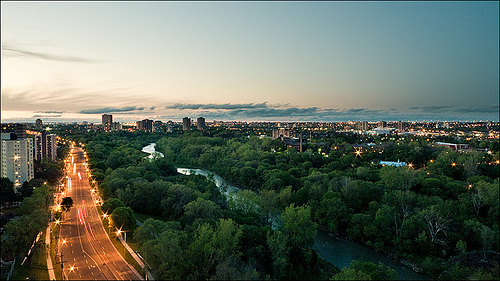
column 262, row 61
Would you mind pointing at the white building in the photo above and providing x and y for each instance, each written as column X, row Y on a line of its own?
column 17, row 159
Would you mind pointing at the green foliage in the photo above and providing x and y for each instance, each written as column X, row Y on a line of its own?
column 48, row 170
column 66, row 203
column 359, row 270
column 123, row 218
column 299, row 227
column 390, row 208
column 111, row 204
column 333, row 212
column 33, row 214
column 7, row 193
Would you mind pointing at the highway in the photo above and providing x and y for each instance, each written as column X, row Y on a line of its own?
column 87, row 252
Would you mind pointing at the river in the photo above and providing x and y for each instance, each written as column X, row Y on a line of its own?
column 332, row 248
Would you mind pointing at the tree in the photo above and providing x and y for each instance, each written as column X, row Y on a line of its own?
column 28, row 186
column 201, row 209
column 49, row 170
column 359, row 270
column 124, row 218
column 333, row 212
column 111, row 204
column 299, row 227
column 488, row 238
column 66, row 204
column 268, row 204
column 278, row 245
column 436, row 223
column 165, row 254
column 212, row 246
column 7, row 193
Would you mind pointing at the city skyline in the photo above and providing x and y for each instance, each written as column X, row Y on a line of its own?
column 250, row 61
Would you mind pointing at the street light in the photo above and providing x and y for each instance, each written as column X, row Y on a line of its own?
column 125, row 235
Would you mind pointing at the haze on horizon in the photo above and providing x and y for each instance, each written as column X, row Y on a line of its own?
column 262, row 61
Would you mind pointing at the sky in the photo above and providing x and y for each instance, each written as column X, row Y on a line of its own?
column 250, row 61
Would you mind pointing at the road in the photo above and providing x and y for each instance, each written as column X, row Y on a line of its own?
column 87, row 251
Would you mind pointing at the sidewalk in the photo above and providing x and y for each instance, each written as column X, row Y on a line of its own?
column 136, row 258
column 50, row 267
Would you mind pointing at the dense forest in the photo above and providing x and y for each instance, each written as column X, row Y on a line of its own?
column 441, row 214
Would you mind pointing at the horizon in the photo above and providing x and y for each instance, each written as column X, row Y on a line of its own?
column 250, row 61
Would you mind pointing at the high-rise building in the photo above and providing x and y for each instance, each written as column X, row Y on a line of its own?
column 382, row 124
column 145, row 125
column 17, row 128
column 157, row 126
column 401, row 126
column 45, row 146
column 38, row 124
column 362, row 125
column 17, row 159
column 107, row 122
column 281, row 132
column 186, row 123
column 117, row 126
column 200, row 123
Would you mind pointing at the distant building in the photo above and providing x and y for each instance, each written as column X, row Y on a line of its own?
column 281, row 132
column 362, row 125
column 401, row 126
column 157, row 126
column 117, row 126
column 454, row 146
column 17, row 128
column 17, row 159
column 145, row 125
column 45, row 146
column 392, row 163
column 200, row 123
column 107, row 122
column 382, row 124
column 186, row 123
column 38, row 124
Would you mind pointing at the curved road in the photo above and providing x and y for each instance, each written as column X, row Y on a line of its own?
column 87, row 251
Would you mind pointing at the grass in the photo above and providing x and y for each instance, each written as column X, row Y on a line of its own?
column 53, row 251
column 35, row 267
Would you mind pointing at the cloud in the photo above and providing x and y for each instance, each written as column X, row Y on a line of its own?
column 228, row 106
column 455, row 109
column 18, row 51
column 111, row 110
column 475, row 109
column 46, row 116
column 263, row 111
column 433, row 108
column 50, row 112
